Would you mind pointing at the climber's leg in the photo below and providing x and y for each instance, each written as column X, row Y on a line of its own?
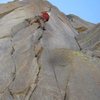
column 36, row 19
column 28, row 20
column 42, row 24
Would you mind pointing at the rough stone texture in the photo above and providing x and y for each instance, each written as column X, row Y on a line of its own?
column 91, row 41
column 88, row 34
column 45, row 65
column 92, row 38
column 79, row 24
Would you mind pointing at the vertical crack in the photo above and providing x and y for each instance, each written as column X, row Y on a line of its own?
column 78, row 43
column 33, row 86
column 38, row 50
column 12, row 55
column 13, row 74
column 37, row 65
column 66, row 96
column 12, row 51
column 11, row 93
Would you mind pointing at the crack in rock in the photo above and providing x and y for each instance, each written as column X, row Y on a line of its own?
column 38, row 50
column 34, row 84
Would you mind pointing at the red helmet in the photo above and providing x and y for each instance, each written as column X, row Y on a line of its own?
column 45, row 16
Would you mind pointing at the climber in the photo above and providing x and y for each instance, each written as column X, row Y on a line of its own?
column 40, row 19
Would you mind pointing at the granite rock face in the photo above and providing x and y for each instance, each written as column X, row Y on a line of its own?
column 38, row 64
column 79, row 24
column 88, row 36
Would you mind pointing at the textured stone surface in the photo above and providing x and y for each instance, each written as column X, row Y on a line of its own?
column 46, row 65
column 79, row 24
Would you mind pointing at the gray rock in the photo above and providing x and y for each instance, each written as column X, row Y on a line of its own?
column 45, row 65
